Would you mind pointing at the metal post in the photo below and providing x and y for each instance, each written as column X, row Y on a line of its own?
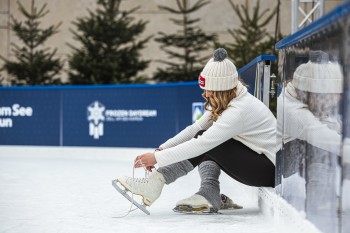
column 294, row 8
column 266, row 91
column 297, row 12
column 258, row 80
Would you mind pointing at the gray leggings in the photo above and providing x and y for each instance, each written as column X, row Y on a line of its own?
column 240, row 162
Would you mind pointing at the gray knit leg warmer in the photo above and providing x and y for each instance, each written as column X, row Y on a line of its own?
column 176, row 170
column 209, row 172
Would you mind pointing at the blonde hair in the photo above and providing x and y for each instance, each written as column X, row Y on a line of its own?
column 322, row 105
column 218, row 102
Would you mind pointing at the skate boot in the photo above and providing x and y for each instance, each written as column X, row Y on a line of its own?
column 227, row 203
column 207, row 199
column 149, row 188
column 194, row 204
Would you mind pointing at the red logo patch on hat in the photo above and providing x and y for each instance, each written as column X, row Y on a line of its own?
column 201, row 81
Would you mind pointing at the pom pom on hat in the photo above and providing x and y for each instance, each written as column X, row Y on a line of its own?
column 220, row 54
column 219, row 74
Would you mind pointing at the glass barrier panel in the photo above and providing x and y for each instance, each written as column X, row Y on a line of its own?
column 310, row 125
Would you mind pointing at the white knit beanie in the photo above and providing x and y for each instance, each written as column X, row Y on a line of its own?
column 219, row 74
column 319, row 77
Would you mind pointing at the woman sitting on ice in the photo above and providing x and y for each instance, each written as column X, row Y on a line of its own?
column 236, row 134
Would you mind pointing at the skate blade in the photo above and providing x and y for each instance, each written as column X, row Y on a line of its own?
column 142, row 207
column 186, row 209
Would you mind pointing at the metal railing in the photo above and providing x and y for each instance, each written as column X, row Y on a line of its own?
column 257, row 75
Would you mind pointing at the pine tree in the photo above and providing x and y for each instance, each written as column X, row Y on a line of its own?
column 35, row 65
column 185, row 46
column 251, row 39
column 110, row 52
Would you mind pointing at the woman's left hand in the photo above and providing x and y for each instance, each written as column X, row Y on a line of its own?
column 147, row 160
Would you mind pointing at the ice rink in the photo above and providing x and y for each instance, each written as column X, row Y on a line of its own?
column 68, row 189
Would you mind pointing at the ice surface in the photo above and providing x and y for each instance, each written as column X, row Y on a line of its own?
column 68, row 189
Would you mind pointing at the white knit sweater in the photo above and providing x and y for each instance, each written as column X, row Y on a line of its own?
column 246, row 120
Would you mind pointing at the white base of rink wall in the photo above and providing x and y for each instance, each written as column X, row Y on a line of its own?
column 286, row 218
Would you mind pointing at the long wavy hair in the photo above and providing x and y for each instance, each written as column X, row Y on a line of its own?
column 322, row 105
column 218, row 102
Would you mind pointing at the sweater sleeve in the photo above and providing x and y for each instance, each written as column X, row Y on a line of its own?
column 189, row 132
column 305, row 126
column 228, row 125
column 320, row 135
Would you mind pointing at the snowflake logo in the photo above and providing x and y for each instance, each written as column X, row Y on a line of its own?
column 96, row 112
column 96, row 118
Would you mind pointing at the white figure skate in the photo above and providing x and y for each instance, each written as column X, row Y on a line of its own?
column 195, row 204
column 148, row 188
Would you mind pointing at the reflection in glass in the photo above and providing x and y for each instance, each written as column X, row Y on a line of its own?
column 345, row 194
column 346, row 186
column 309, row 127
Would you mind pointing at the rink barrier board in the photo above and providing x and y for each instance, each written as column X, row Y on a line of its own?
column 114, row 116
column 103, row 115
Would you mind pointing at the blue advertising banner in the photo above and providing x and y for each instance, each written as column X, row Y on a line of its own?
column 29, row 117
column 118, row 115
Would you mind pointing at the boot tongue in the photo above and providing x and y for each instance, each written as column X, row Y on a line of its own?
column 157, row 175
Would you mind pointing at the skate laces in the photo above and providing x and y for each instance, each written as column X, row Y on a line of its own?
column 146, row 172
